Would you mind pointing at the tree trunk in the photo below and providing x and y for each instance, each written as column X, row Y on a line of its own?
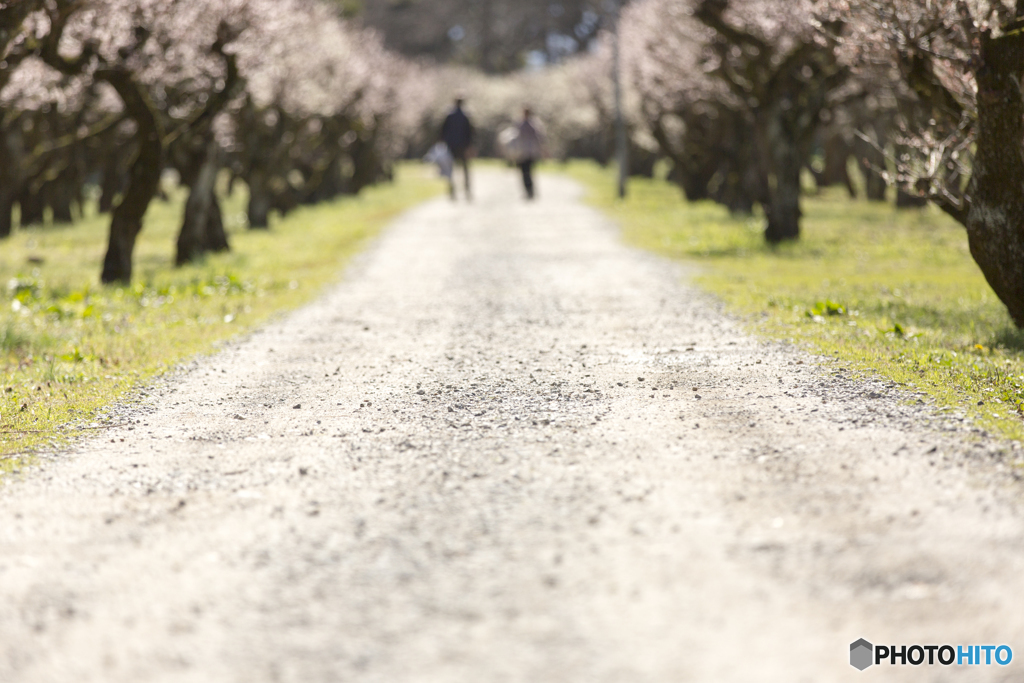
column 744, row 190
column 111, row 184
column 871, row 160
column 126, row 222
column 60, row 195
column 874, row 184
column 836, row 152
column 259, row 202
column 6, row 213
column 783, row 210
column 10, row 174
column 331, row 184
column 202, row 212
column 62, row 212
column 31, row 207
column 687, row 171
column 745, row 183
column 143, row 178
column 784, row 162
column 365, row 164
column 216, row 236
column 995, row 218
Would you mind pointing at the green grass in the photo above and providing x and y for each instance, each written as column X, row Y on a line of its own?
column 70, row 346
column 889, row 293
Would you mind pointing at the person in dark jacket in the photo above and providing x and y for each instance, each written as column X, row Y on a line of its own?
column 457, row 133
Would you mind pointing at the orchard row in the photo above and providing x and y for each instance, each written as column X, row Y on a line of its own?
column 283, row 94
column 740, row 95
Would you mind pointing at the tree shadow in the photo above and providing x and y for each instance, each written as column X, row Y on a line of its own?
column 1010, row 338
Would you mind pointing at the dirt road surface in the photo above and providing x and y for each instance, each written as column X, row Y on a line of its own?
column 508, row 448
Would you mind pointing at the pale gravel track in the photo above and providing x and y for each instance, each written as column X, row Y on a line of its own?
column 479, row 487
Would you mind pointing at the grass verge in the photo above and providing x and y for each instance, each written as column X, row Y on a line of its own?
column 70, row 346
column 892, row 293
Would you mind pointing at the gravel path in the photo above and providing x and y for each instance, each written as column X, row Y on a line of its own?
column 508, row 448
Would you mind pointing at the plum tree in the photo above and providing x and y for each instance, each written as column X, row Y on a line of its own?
column 961, row 129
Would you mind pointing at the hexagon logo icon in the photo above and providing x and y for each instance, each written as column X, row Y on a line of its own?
column 861, row 654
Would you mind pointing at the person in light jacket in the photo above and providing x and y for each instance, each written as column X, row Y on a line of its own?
column 529, row 145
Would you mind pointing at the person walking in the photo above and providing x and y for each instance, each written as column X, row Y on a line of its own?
column 457, row 134
column 529, row 148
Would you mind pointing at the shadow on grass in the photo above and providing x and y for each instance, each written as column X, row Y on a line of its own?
column 1009, row 338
